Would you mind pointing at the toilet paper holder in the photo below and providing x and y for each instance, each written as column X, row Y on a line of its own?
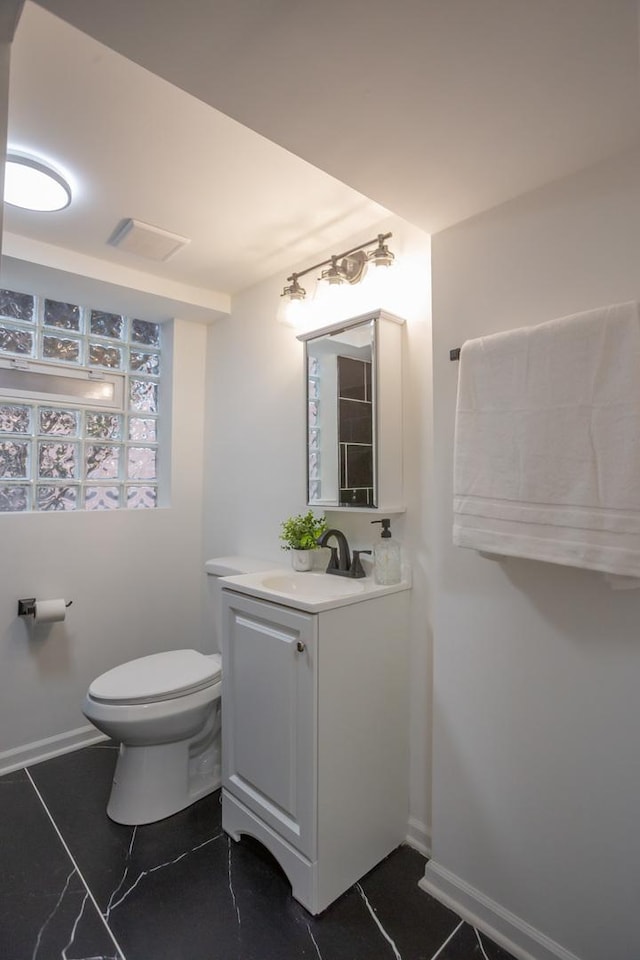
column 27, row 607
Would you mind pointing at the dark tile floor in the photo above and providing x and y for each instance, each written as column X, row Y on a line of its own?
column 75, row 886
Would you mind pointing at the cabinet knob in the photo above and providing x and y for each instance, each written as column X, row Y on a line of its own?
column 300, row 647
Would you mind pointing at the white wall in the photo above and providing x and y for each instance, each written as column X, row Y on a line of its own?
column 537, row 667
column 256, row 452
column 5, row 57
column 135, row 578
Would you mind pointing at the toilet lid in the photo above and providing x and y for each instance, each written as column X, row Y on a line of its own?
column 158, row 677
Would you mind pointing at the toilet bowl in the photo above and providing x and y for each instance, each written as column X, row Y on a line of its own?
column 164, row 710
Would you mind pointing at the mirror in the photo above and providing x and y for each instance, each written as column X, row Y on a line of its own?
column 341, row 416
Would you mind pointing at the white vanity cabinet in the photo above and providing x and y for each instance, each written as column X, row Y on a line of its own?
column 315, row 731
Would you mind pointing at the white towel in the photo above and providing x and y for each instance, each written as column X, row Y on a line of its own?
column 547, row 443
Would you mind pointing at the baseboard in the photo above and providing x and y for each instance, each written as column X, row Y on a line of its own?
column 504, row 927
column 418, row 836
column 40, row 750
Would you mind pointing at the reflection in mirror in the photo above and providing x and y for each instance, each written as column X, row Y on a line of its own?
column 341, row 435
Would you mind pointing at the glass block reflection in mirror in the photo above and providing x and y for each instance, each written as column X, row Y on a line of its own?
column 15, row 418
column 57, row 460
column 102, row 462
column 17, row 306
column 65, row 316
column 314, row 466
column 102, row 498
column 340, row 415
column 16, row 340
column 62, row 454
column 106, row 325
column 56, row 498
column 14, row 459
column 14, row 498
column 62, row 423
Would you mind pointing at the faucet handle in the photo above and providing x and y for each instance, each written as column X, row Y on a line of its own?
column 356, row 566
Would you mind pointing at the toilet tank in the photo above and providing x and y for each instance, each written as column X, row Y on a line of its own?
column 216, row 568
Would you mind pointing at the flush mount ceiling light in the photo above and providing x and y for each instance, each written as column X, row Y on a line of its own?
column 347, row 267
column 33, row 185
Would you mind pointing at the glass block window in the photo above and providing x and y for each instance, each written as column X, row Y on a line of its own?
column 64, row 454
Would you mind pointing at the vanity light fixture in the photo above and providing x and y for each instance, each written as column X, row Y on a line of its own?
column 333, row 274
column 347, row 267
column 33, row 185
column 381, row 256
column 294, row 291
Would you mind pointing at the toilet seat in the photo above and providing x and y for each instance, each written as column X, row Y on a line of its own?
column 161, row 676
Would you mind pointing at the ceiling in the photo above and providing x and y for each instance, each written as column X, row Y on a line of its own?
column 436, row 111
column 134, row 146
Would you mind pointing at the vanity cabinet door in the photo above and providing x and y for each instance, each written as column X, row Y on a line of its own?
column 269, row 704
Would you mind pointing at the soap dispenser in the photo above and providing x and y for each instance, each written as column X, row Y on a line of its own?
column 386, row 557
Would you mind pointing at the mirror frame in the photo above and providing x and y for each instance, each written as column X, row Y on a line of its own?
column 388, row 350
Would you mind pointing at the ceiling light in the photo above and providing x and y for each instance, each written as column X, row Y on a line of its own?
column 349, row 266
column 33, row 185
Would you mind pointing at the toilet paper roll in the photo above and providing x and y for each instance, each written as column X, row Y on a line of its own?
column 50, row 611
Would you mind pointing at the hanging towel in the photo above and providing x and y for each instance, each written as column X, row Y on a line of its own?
column 547, row 442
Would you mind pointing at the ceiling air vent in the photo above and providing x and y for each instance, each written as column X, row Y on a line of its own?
column 146, row 241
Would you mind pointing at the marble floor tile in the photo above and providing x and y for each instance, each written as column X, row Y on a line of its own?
column 45, row 908
column 180, row 889
column 469, row 944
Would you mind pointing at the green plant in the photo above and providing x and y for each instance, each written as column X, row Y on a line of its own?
column 302, row 531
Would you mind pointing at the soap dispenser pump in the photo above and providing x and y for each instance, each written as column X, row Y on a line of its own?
column 387, row 567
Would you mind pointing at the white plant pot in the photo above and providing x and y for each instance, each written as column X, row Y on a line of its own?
column 302, row 560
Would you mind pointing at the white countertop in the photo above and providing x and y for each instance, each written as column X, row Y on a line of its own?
column 310, row 592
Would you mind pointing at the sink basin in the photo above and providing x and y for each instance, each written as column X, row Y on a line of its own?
column 311, row 592
column 311, row 586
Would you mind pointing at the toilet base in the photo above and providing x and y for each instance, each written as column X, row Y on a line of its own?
column 154, row 782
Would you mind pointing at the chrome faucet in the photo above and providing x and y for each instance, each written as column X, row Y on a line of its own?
column 340, row 562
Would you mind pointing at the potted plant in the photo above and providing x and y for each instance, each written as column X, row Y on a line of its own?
column 300, row 534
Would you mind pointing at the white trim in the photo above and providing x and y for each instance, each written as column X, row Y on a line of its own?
column 39, row 750
column 504, row 927
column 44, row 381
column 419, row 836
column 347, row 324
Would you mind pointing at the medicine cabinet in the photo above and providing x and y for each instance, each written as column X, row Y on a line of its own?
column 354, row 375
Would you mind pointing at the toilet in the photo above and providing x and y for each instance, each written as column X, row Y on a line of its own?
column 164, row 711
